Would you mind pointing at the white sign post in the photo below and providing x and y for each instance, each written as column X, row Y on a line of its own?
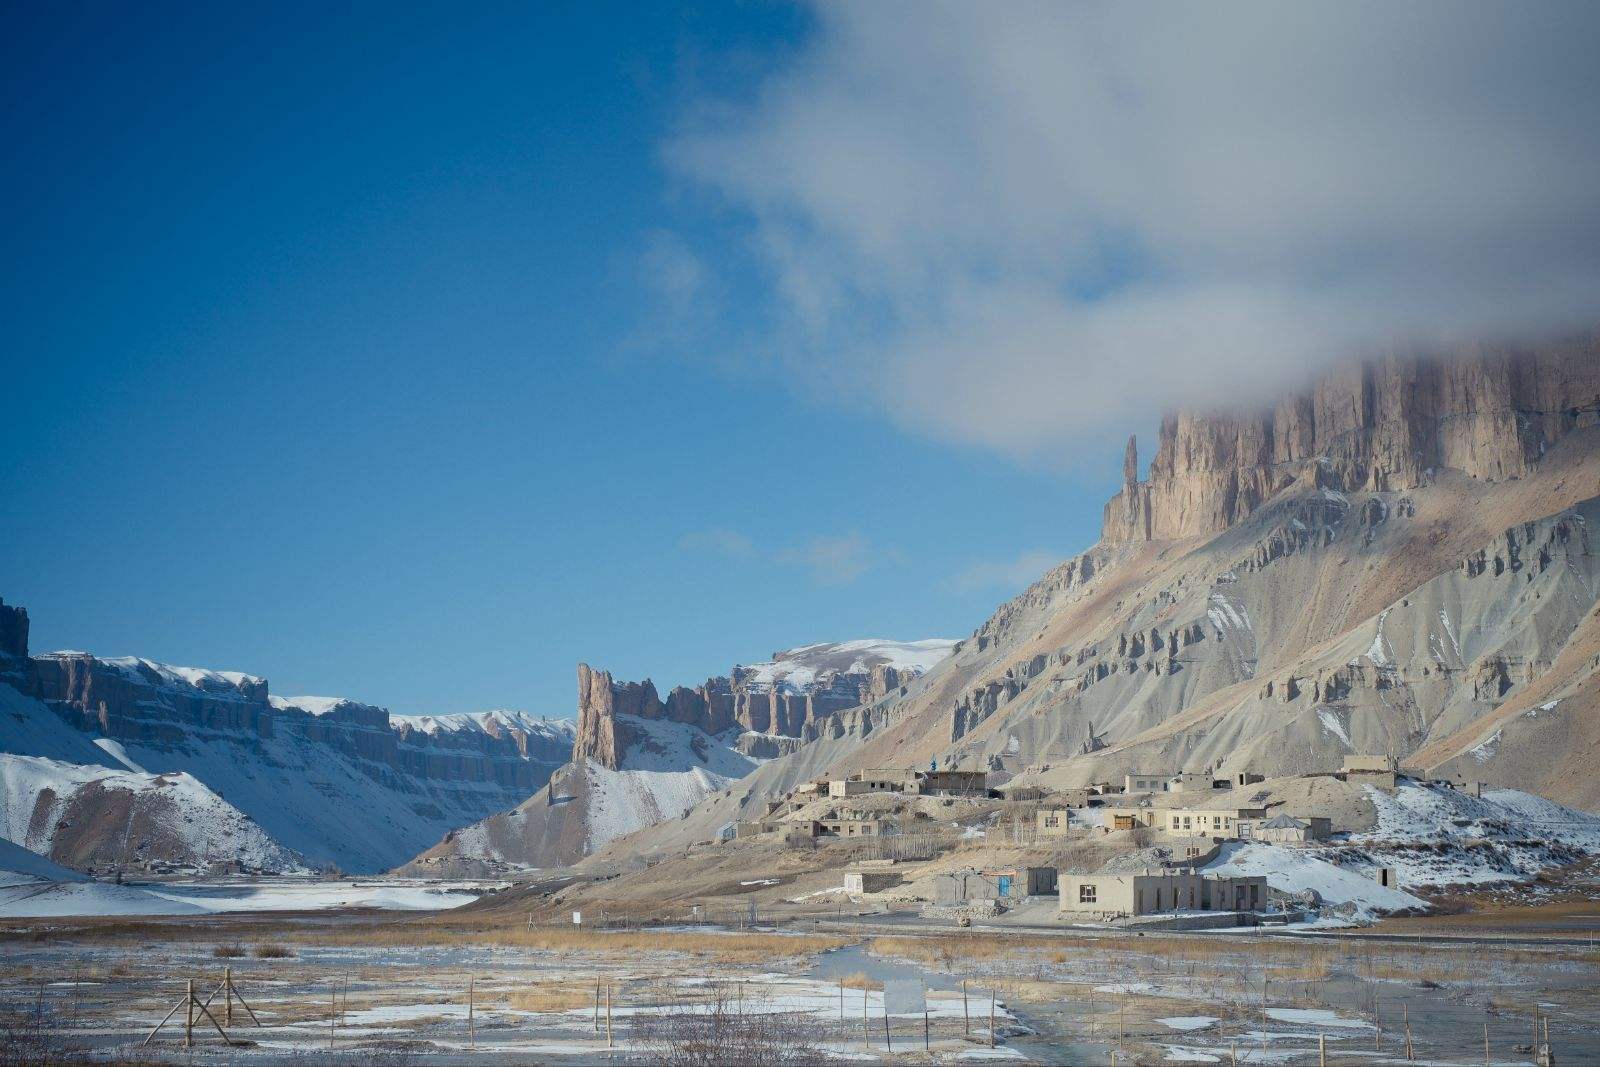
column 577, row 918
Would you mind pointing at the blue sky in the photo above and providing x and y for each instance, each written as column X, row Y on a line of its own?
column 414, row 354
column 337, row 354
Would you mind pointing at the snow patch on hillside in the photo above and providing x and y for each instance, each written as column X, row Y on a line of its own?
column 206, row 827
column 1437, row 836
column 215, row 682
column 1294, row 870
column 797, row 669
column 496, row 722
column 668, row 768
column 309, row 704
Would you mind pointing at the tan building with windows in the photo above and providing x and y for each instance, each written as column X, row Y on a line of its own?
column 1126, row 895
column 1206, row 822
column 1052, row 822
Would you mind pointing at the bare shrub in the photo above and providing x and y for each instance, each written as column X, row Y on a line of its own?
column 228, row 952
column 274, row 952
column 25, row 1041
column 726, row 1027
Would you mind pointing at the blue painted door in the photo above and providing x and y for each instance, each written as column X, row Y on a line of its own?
column 1005, row 885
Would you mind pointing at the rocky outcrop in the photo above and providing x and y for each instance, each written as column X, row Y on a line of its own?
column 339, row 781
column 13, row 632
column 785, row 697
column 1381, row 426
column 597, row 716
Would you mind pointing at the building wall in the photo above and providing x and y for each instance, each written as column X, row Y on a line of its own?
column 1202, row 822
column 1053, row 822
column 1152, row 894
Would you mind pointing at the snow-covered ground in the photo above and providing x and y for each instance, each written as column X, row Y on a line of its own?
column 61, row 893
column 1438, row 836
column 1294, row 870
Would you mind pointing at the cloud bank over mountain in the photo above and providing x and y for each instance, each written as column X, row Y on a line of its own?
column 1016, row 232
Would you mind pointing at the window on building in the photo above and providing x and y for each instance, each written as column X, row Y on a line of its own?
column 1088, row 894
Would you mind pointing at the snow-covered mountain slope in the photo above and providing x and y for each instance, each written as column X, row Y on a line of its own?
column 667, row 769
column 799, row 669
column 337, row 781
column 495, row 723
column 91, row 818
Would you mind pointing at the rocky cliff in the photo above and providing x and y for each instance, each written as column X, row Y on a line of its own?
column 783, row 697
column 338, row 781
column 1382, row 426
column 638, row 760
column 1399, row 560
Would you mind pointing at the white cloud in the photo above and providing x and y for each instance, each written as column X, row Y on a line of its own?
column 1011, row 575
column 832, row 560
column 1017, row 226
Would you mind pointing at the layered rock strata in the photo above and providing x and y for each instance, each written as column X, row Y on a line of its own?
column 1379, row 427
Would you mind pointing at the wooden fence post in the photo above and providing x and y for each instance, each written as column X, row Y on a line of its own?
column 608, row 1015
column 188, row 1016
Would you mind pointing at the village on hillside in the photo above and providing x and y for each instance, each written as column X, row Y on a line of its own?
column 1175, row 850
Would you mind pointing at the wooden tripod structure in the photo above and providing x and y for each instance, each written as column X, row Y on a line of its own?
column 193, row 1008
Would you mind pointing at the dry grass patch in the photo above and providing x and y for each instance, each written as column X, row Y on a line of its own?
column 724, row 948
column 228, row 952
column 552, row 997
column 274, row 952
column 860, row 981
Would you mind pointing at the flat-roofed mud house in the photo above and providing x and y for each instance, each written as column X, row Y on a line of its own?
column 1125, row 895
column 1207, row 822
column 1052, row 822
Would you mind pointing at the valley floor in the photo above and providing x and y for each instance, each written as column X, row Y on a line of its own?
column 366, row 987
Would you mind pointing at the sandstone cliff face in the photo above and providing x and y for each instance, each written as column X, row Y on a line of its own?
column 785, row 698
column 597, row 718
column 1378, row 427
